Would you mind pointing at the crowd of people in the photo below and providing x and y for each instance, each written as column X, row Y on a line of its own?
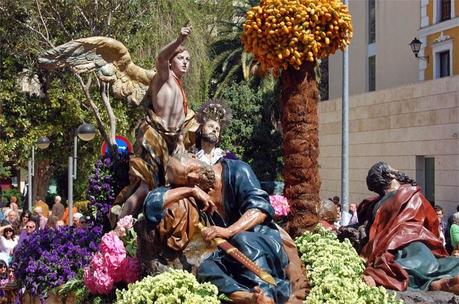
column 17, row 224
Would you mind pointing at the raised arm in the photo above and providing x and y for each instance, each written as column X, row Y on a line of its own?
column 162, row 62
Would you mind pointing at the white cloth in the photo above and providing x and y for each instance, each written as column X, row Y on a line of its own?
column 216, row 155
column 7, row 246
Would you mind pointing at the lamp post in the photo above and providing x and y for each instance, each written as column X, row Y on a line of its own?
column 85, row 132
column 42, row 143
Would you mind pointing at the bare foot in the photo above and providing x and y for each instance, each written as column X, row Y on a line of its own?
column 446, row 284
column 255, row 297
column 261, row 298
column 242, row 297
column 369, row 281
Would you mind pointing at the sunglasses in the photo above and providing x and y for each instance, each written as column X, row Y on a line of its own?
column 30, row 227
column 2, row 266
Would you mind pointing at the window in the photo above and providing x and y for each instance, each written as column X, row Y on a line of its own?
column 371, row 22
column 425, row 176
column 443, row 66
column 323, row 84
column 371, row 73
column 445, row 10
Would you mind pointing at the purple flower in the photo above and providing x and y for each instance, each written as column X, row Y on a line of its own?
column 50, row 257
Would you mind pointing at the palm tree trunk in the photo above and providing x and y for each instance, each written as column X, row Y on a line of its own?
column 299, row 98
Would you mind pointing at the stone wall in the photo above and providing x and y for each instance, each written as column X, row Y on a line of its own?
column 395, row 125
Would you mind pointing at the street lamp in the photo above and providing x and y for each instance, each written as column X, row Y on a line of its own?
column 415, row 45
column 85, row 132
column 42, row 143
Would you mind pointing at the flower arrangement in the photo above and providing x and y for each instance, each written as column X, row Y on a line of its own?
column 280, row 205
column 171, row 287
column 110, row 175
column 100, row 190
column 113, row 263
column 48, row 258
column 335, row 271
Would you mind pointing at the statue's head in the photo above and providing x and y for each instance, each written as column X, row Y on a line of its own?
column 180, row 61
column 184, row 169
column 213, row 116
column 380, row 176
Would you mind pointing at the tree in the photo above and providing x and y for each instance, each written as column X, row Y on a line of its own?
column 288, row 37
column 230, row 63
column 28, row 28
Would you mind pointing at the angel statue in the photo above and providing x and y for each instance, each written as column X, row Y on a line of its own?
column 169, row 125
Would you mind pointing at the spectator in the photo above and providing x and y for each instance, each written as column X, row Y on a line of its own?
column 353, row 211
column 66, row 214
column 335, row 200
column 443, row 224
column 26, row 215
column 60, row 223
column 14, row 203
column 52, row 222
column 44, row 207
column 11, row 219
column 58, row 208
column 76, row 219
column 30, row 227
column 454, row 233
column 42, row 219
column 7, row 240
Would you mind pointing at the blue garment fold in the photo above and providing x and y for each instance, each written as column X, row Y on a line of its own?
column 423, row 267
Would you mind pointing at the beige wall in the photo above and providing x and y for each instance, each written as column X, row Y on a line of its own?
column 395, row 125
column 397, row 23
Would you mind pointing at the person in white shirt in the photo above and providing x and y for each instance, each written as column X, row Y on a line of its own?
column 7, row 240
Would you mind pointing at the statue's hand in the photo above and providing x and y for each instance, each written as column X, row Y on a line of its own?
column 185, row 31
column 203, row 197
column 209, row 233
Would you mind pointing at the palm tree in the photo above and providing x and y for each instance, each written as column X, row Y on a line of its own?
column 229, row 60
column 290, row 36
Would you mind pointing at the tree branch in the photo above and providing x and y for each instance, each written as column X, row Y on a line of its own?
column 95, row 109
column 104, row 93
column 42, row 20
column 36, row 31
column 59, row 19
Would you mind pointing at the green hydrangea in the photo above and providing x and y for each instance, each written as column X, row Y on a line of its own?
column 335, row 272
column 171, row 287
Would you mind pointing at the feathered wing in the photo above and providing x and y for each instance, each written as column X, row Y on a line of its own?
column 110, row 60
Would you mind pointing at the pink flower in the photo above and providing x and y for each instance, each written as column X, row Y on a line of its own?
column 98, row 281
column 126, row 222
column 130, row 269
column 120, row 231
column 280, row 205
column 111, row 243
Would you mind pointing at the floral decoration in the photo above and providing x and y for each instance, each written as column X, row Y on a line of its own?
column 113, row 263
column 280, row 205
column 48, row 258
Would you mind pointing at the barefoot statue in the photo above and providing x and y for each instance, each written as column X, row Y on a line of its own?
column 169, row 125
column 228, row 198
column 403, row 248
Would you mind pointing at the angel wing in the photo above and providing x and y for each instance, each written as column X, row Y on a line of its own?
column 109, row 58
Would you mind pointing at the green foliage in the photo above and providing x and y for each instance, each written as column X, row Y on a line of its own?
column 27, row 28
column 5, row 171
column 230, row 63
column 335, row 271
column 252, row 135
column 7, row 194
column 171, row 287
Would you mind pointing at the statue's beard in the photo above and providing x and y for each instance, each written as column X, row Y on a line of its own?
column 207, row 178
column 211, row 138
